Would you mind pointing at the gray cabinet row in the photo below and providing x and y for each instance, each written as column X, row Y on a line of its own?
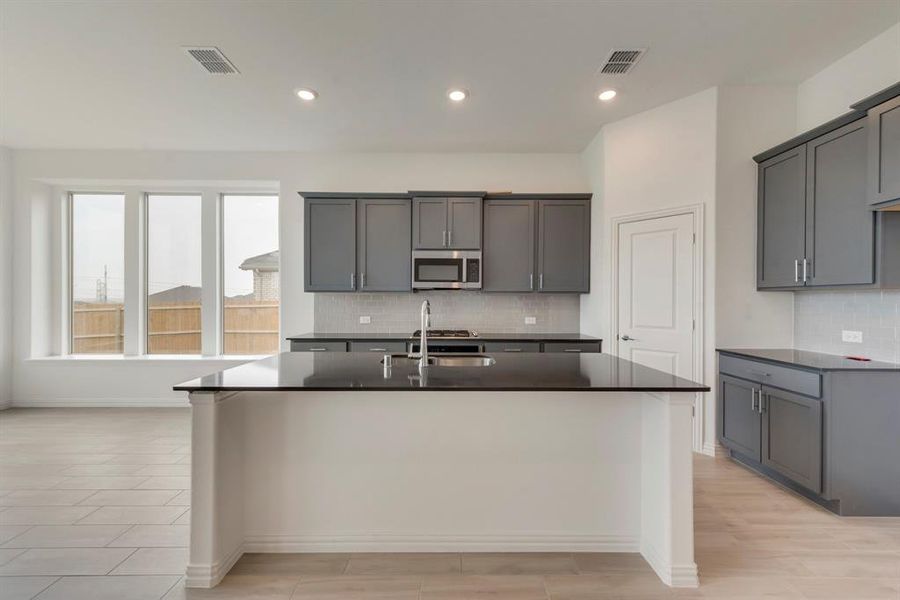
column 447, row 223
column 831, row 436
column 537, row 245
column 816, row 226
column 357, row 245
column 397, row 346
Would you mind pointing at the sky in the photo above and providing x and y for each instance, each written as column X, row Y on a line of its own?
column 250, row 225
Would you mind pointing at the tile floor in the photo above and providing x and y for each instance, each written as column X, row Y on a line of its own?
column 94, row 505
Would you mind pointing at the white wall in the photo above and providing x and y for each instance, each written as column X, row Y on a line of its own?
column 659, row 159
column 37, row 291
column 6, row 254
column 829, row 93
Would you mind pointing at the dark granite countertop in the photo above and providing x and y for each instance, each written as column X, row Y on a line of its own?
column 487, row 337
column 810, row 360
column 302, row 371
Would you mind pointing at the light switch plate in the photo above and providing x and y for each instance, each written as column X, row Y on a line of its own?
column 365, row 319
column 530, row 320
column 851, row 336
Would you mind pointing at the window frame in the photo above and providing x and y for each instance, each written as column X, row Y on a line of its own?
column 69, row 229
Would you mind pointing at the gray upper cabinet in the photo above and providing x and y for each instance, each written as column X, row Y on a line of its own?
column 330, row 245
column 464, row 223
column 447, row 223
column 564, row 246
column 884, row 153
column 837, row 210
column 739, row 423
column 509, row 253
column 383, row 247
column 792, row 436
column 429, row 223
column 782, row 220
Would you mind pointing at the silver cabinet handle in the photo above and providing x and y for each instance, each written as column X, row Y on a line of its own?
column 377, row 349
column 541, row 281
column 761, row 404
column 531, row 281
column 753, row 399
column 352, row 281
column 362, row 280
column 804, row 270
column 796, row 271
column 444, row 238
column 572, row 350
column 512, row 349
column 317, row 349
column 449, row 238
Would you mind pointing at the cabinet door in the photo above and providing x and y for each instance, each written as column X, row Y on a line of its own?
column 739, row 422
column 384, row 245
column 564, row 245
column 464, row 223
column 782, row 219
column 884, row 152
column 429, row 223
column 330, row 245
column 840, row 234
column 508, row 255
column 792, row 436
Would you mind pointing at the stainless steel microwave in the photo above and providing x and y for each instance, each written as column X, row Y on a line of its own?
column 446, row 269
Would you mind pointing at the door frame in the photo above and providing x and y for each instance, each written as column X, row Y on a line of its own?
column 696, row 211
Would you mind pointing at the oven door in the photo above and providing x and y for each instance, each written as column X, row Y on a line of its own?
column 438, row 269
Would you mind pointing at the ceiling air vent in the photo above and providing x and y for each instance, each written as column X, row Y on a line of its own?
column 620, row 62
column 211, row 59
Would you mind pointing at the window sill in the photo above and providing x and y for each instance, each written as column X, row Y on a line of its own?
column 145, row 358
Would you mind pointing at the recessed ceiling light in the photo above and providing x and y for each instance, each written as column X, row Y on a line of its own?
column 607, row 95
column 457, row 95
column 307, row 94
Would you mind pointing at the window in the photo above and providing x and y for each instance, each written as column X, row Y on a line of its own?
column 173, row 274
column 251, row 278
column 97, row 290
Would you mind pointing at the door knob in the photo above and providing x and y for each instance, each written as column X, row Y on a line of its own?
column 628, row 338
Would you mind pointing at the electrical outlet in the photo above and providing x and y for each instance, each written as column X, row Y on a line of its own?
column 851, row 336
column 365, row 319
column 530, row 320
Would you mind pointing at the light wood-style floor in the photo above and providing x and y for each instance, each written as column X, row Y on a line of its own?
column 94, row 505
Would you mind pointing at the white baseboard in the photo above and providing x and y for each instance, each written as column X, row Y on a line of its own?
column 672, row 575
column 207, row 576
column 441, row 543
column 102, row 403
column 710, row 448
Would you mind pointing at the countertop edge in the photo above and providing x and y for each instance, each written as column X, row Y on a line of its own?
column 212, row 389
column 818, row 368
column 488, row 337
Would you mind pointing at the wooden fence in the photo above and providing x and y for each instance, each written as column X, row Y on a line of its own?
column 251, row 327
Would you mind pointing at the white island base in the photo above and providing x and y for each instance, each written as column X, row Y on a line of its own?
column 441, row 471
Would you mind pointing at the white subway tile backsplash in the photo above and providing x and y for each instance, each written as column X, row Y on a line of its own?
column 450, row 309
column 820, row 317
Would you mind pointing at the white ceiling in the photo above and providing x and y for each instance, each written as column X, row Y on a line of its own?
column 112, row 74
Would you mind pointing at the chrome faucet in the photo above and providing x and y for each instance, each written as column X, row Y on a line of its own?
column 425, row 317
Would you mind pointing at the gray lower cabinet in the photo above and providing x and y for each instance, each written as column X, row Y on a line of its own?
column 383, row 245
column 792, row 436
column 739, row 420
column 447, row 223
column 377, row 346
column 564, row 245
column 330, row 245
column 884, row 153
column 781, row 219
column 837, row 210
column 509, row 255
column 314, row 346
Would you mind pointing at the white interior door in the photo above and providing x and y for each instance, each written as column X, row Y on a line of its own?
column 656, row 293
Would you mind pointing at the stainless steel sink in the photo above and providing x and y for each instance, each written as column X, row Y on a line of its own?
column 467, row 360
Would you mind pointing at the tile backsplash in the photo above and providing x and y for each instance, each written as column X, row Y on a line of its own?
column 450, row 309
column 820, row 317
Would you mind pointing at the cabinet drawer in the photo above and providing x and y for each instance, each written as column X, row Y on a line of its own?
column 571, row 346
column 512, row 347
column 318, row 346
column 795, row 380
column 375, row 346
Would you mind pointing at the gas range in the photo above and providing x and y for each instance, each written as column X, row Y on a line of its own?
column 446, row 333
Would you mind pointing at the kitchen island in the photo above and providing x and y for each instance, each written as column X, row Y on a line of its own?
column 533, row 452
